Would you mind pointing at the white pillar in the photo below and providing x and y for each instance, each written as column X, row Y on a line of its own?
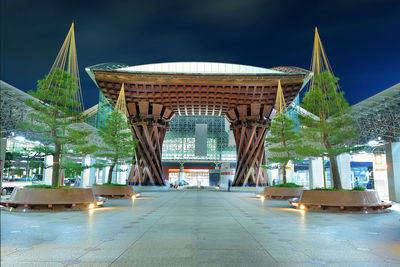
column 273, row 175
column 48, row 160
column 114, row 175
column 92, row 172
column 380, row 175
column 290, row 172
column 343, row 161
column 103, row 175
column 85, row 173
column 125, row 175
column 3, row 145
column 393, row 171
column 316, row 172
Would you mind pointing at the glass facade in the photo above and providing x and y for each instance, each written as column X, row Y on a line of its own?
column 179, row 143
column 293, row 113
column 98, row 119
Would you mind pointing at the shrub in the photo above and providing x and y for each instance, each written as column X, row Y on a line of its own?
column 110, row 184
column 45, row 186
column 287, row 185
column 357, row 188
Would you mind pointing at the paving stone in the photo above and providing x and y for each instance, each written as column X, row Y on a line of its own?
column 73, row 261
column 199, row 228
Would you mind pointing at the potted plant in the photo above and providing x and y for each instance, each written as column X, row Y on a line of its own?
column 330, row 135
column 282, row 143
column 118, row 149
column 55, row 121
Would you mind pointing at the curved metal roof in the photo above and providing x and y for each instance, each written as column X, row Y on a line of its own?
column 199, row 68
column 378, row 117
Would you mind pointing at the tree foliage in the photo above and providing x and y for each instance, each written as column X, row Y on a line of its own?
column 331, row 131
column 119, row 145
column 284, row 141
column 73, row 169
column 56, row 120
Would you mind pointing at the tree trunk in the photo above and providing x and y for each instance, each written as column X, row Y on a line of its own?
column 110, row 173
column 337, row 184
column 56, row 166
column 284, row 173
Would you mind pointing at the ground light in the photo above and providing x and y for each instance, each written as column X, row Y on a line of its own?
column 91, row 205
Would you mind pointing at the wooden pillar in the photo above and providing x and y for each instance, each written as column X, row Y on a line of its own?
column 149, row 125
column 249, row 124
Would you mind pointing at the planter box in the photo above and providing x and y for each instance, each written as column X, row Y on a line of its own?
column 52, row 199
column 113, row 191
column 46, row 196
column 366, row 198
column 320, row 200
column 282, row 192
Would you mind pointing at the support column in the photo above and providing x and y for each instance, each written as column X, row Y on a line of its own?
column 85, row 175
column 149, row 125
column 249, row 124
column 380, row 175
column 48, row 160
column 92, row 172
column 393, row 163
column 3, row 146
column 316, row 172
column 290, row 172
column 104, row 174
column 345, row 170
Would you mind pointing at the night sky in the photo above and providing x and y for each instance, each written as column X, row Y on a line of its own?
column 361, row 37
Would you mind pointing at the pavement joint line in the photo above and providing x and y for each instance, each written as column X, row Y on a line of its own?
column 137, row 239
column 272, row 257
column 382, row 228
column 88, row 251
column 367, row 250
column 293, row 247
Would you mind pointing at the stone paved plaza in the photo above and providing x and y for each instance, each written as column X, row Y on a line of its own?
column 199, row 228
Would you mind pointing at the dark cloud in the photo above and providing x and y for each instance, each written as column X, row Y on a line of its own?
column 361, row 37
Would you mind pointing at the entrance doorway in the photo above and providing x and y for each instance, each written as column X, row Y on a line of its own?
column 194, row 177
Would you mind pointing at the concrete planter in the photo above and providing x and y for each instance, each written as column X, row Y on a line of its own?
column 52, row 196
column 44, row 198
column 340, row 200
column 282, row 192
column 113, row 191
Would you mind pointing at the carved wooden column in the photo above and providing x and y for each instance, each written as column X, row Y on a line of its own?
column 149, row 125
column 249, row 124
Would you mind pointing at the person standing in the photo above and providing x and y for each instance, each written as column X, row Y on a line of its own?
column 229, row 185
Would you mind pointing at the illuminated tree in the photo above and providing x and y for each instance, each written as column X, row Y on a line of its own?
column 56, row 120
column 332, row 129
column 117, row 136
